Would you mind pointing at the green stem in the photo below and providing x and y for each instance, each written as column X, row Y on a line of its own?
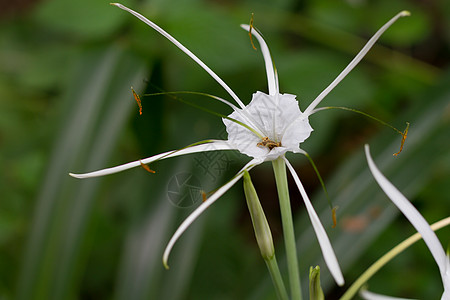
column 276, row 278
column 279, row 168
column 354, row 288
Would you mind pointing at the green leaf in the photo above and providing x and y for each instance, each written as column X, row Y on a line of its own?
column 84, row 18
column 57, row 242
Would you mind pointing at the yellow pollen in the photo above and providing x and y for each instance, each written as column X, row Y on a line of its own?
column 268, row 143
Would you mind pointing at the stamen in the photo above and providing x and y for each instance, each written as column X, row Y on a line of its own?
column 270, row 70
column 147, row 168
column 404, row 135
column 333, row 215
column 268, row 143
column 250, row 32
column 138, row 100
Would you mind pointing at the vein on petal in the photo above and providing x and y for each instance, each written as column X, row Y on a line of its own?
column 327, row 250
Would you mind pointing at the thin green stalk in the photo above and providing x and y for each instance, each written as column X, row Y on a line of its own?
column 354, row 288
column 263, row 236
column 279, row 169
column 276, row 278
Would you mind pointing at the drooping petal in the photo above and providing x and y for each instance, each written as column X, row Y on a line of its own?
column 184, row 49
column 199, row 210
column 210, row 146
column 365, row 294
column 324, row 242
column 355, row 61
column 414, row 216
column 271, row 73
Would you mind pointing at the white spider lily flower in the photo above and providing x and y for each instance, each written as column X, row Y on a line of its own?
column 273, row 125
column 417, row 220
column 279, row 120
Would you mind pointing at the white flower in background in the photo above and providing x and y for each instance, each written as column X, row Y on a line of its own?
column 366, row 295
column 268, row 127
column 418, row 221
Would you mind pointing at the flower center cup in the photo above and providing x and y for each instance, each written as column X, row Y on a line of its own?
column 278, row 120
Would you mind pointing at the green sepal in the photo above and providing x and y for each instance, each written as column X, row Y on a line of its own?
column 260, row 224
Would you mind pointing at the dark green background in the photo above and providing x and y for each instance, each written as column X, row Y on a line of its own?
column 66, row 68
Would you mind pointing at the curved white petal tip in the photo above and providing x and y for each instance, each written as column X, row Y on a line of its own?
column 270, row 70
column 245, row 27
column 165, row 259
column 76, row 175
column 405, row 13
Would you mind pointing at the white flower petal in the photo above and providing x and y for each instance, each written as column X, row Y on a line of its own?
column 184, row 49
column 199, row 210
column 325, row 245
column 365, row 294
column 446, row 279
column 271, row 74
column 298, row 130
column 212, row 146
column 354, row 62
column 277, row 117
column 413, row 215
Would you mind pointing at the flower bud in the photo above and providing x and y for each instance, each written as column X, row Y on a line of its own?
column 315, row 290
column 260, row 225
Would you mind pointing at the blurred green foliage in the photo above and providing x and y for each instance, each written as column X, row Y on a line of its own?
column 65, row 106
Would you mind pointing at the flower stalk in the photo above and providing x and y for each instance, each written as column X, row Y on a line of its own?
column 263, row 236
column 277, row 280
column 279, row 168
